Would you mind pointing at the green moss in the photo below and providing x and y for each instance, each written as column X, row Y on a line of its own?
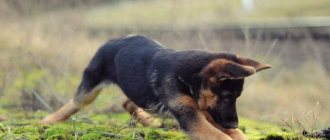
column 173, row 135
column 117, row 126
column 153, row 135
column 91, row 136
column 274, row 137
column 25, row 129
column 57, row 132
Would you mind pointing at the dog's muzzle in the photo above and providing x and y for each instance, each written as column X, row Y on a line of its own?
column 229, row 125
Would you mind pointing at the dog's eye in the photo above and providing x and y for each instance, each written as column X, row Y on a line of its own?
column 226, row 93
column 222, row 78
column 227, row 100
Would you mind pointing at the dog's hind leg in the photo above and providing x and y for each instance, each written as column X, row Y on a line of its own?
column 141, row 115
column 88, row 90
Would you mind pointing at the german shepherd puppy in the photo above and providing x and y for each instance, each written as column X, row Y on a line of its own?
column 198, row 88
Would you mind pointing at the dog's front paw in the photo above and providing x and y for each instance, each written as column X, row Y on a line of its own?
column 236, row 134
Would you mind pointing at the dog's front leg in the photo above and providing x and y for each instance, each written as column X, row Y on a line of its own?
column 192, row 121
column 235, row 134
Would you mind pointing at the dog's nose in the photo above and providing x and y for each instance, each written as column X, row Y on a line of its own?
column 230, row 125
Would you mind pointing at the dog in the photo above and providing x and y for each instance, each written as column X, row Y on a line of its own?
column 198, row 88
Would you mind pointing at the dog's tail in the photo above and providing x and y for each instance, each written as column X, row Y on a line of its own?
column 324, row 134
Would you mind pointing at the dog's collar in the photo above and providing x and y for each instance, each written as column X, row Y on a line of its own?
column 188, row 85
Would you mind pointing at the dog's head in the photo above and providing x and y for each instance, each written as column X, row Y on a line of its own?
column 222, row 84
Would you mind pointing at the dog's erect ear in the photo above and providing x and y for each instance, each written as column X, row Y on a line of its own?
column 257, row 65
column 237, row 71
column 221, row 69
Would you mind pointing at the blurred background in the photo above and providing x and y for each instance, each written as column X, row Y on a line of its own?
column 45, row 46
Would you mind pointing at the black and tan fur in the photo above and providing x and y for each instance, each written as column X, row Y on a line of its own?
column 198, row 88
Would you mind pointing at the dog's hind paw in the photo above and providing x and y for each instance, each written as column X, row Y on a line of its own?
column 147, row 119
column 3, row 118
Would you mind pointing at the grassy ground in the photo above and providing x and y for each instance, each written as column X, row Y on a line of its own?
column 118, row 126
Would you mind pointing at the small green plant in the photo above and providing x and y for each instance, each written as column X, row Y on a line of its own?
column 74, row 124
